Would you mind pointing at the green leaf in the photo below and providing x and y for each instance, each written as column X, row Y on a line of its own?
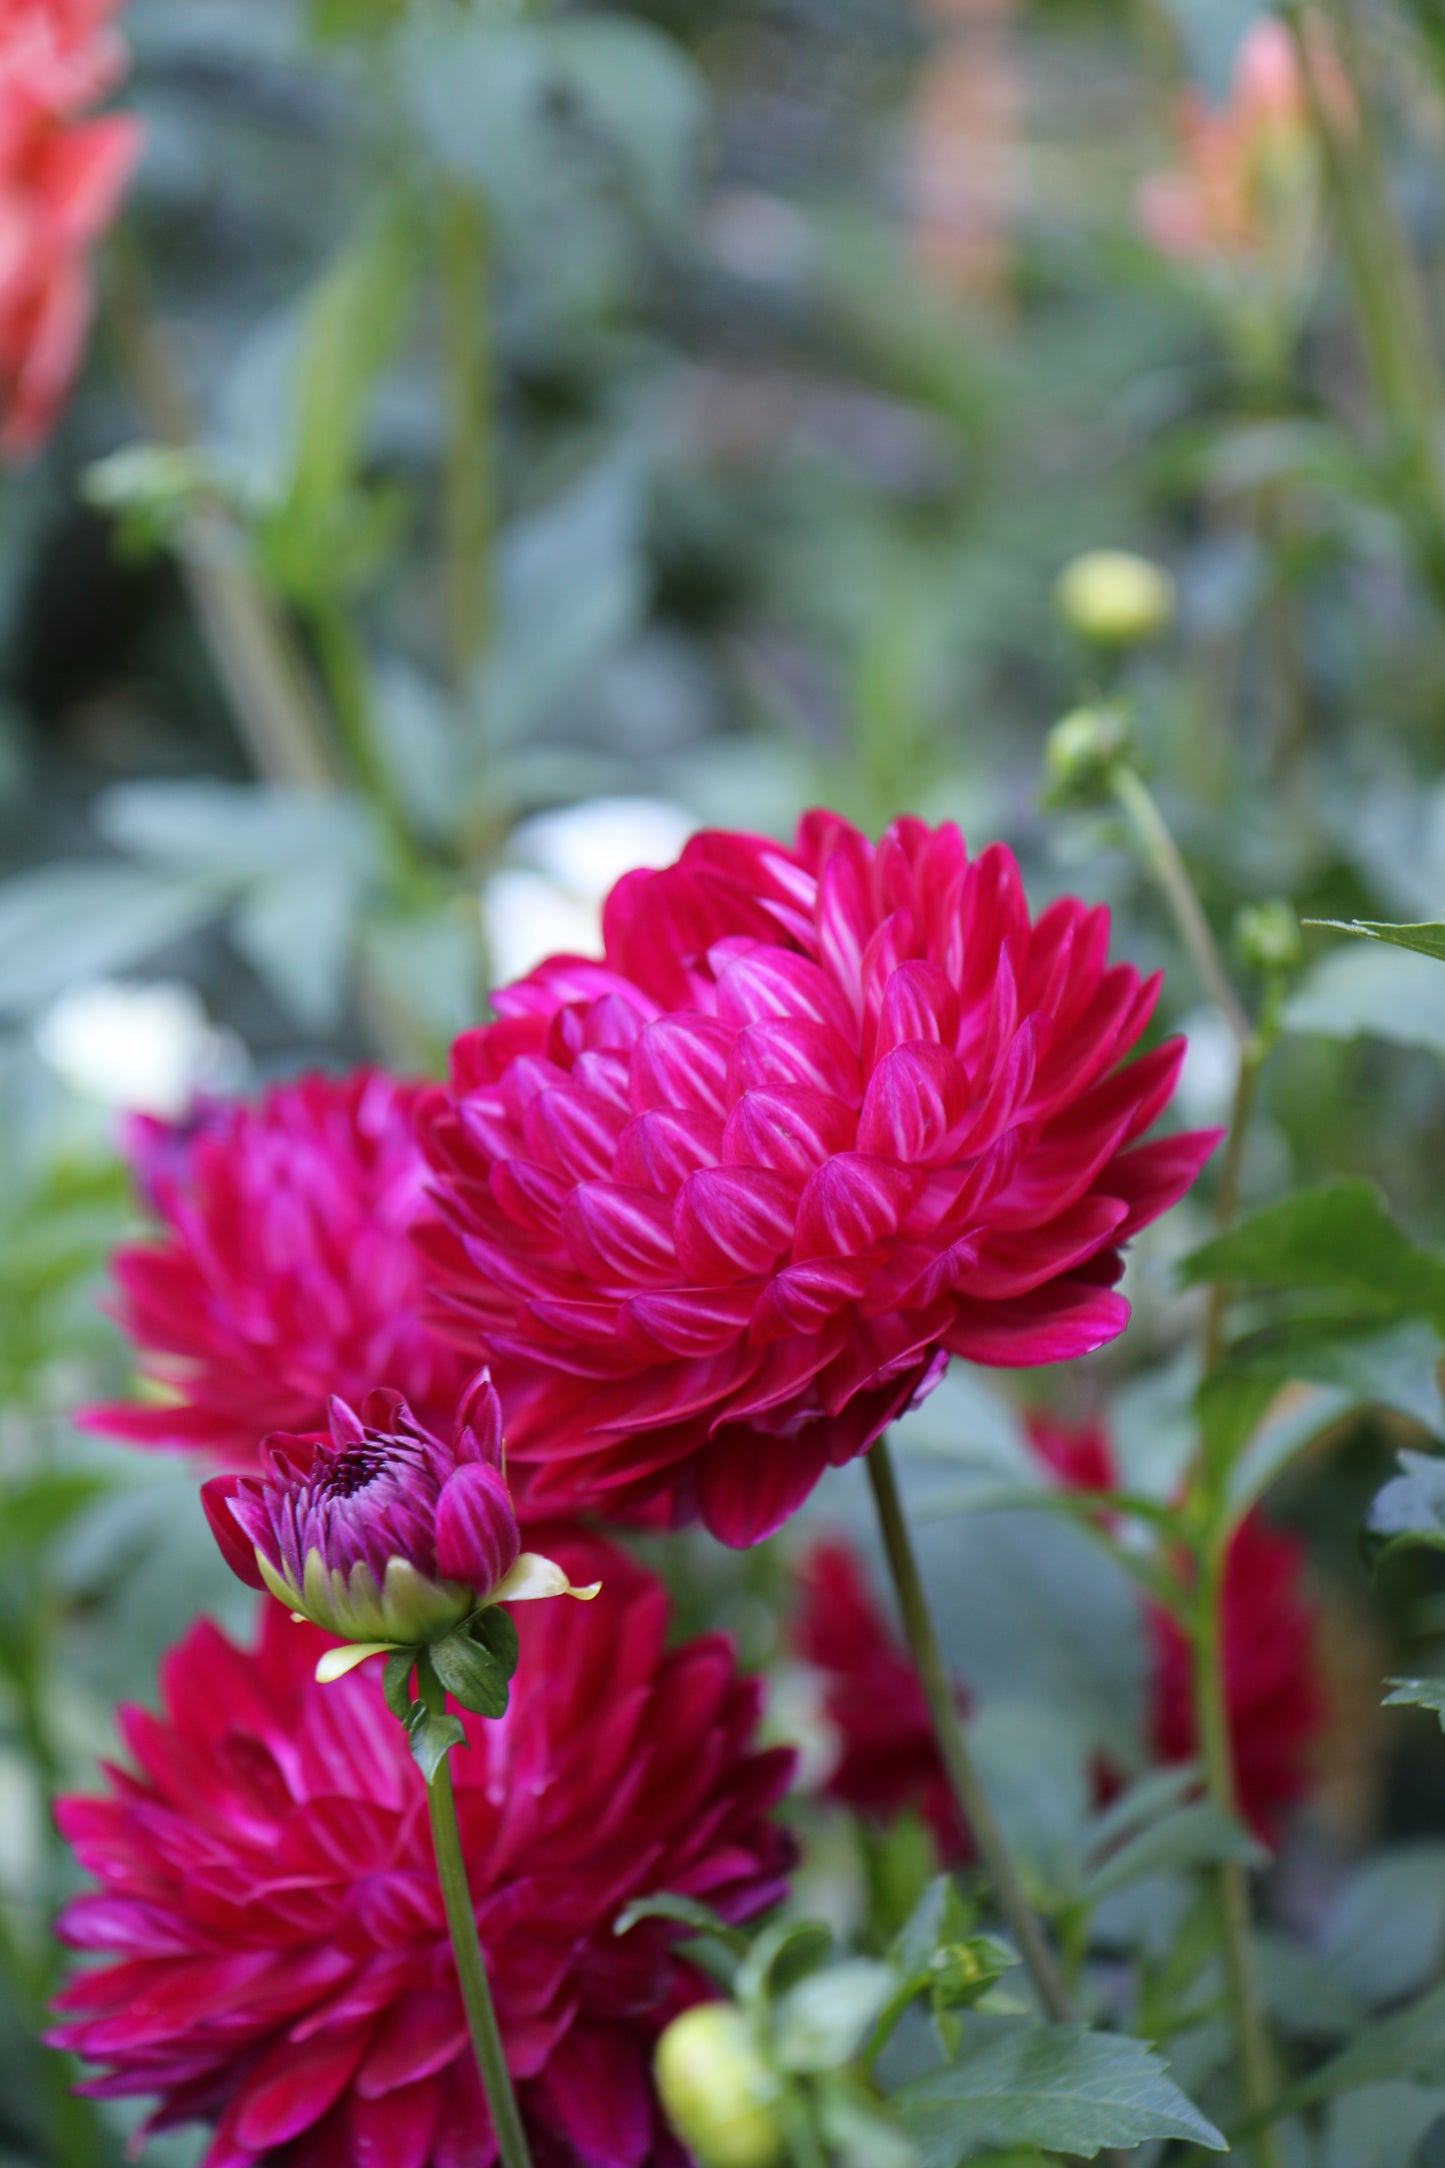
column 1417, row 1694
column 782, row 1955
column 1410, row 2044
column 940, row 1916
column 432, row 1737
column 1341, row 1237
column 496, row 1630
column 396, row 1683
column 64, row 923
column 353, row 322
column 689, row 1911
column 33, row 1514
column 823, row 2020
column 1383, row 1936
column 1056, row 2086
column 1410, row 1511
column 1145, row 1801
column 859, row 2129
column 1427, row 938
column 471, row 1674
column 1398, row 1367
column 1199, row 1835
column 640, row 91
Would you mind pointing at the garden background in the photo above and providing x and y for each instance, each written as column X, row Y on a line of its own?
column 512, row 438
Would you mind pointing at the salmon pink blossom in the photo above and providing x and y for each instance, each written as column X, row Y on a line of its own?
column 719, row 1206
column 885, row 1754
column 274, row 1960
column 61, row 176
column 285, row 1273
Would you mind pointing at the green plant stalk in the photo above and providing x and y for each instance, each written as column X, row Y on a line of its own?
column 264, row 678
column 969, row 1795
column 1217, row 1753
column 469, row 515
column 1172, row 874
column 1381, row 274
column 466, row 1947
column 1251, row 1059
column 968, row 1791
column 344, row 666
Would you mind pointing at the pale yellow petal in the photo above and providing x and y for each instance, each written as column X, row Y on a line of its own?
column 337, row 1662
column 533, row 1576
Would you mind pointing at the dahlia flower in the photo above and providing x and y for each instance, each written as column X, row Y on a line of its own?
column 718, row 1207
column 1244, row 189
column 378, row 1532
column 886, row 1758
column 61, row 177
column 275, row 1957
column 285, row 1273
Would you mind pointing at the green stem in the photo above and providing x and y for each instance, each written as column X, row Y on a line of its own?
column 1386, row 292
column 1227, row 1199
column 466, row 1947
column 348, row 679
column 972, row 1800
column 1172, row 875
column 264, row 679
column 969, row 1795
column 1217, row 1754
column 463, row 244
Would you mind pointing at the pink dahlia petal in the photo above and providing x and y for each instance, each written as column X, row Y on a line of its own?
column 748, row 1490
column 732, row 1223
column 477, row 1538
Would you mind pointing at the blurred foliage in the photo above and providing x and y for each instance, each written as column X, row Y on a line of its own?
column 492, row 411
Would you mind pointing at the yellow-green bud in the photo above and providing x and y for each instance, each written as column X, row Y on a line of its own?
column 1114, row 598
column 720, row 2096
column 1267, row 936
column 1080, row 752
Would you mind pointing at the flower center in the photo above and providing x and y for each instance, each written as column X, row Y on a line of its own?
column 352, row 1470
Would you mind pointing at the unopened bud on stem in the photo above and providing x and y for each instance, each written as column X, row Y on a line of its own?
column 1114, row 598
column 720, row 2096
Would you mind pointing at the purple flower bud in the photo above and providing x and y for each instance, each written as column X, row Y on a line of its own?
column 379, row 1532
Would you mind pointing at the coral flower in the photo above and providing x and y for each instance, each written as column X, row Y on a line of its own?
column 285, row 1274
column 719, row 1206
column 277, row 1958
column 61, row 176
column 378, row 1532
column 886, row 1758
column 1248, row 173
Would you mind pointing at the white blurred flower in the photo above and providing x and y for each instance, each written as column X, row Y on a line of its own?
column 143, row 1049
column 549, row 901
column 1211, row 1064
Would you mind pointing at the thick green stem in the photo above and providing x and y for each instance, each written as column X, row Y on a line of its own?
column 344, row 663
column 968, row 1791
column 1172, row 875
column 1227, row 1198
column 463, row 244
column 969, row 1795
column 467, row 1948
column 1217, row 1753
column 264, row 679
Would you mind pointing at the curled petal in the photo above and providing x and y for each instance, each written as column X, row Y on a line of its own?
column 534, row 1576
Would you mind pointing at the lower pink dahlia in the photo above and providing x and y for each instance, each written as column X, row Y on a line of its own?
column 277, row 1958
column 286, row 1271
column 719, row 1206
column 886, row 1757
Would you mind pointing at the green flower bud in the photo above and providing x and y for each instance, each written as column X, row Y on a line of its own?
column 1080, row 752
column 720, row 2096
column 1115, row 598
column 1267, row 936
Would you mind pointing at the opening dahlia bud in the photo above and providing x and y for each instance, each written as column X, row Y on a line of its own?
column 380, row 1533
column 1080, row 753
column 720, row 2096
column 1267, row 936
column 1115, row 598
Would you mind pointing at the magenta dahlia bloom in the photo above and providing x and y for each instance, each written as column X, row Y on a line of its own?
column 275, row 1957
column 720, row 1206
column 377, row 1531
column 285, row 1273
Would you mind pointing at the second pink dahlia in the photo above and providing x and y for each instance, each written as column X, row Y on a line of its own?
column 285, row 1272
column 719, row 1206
